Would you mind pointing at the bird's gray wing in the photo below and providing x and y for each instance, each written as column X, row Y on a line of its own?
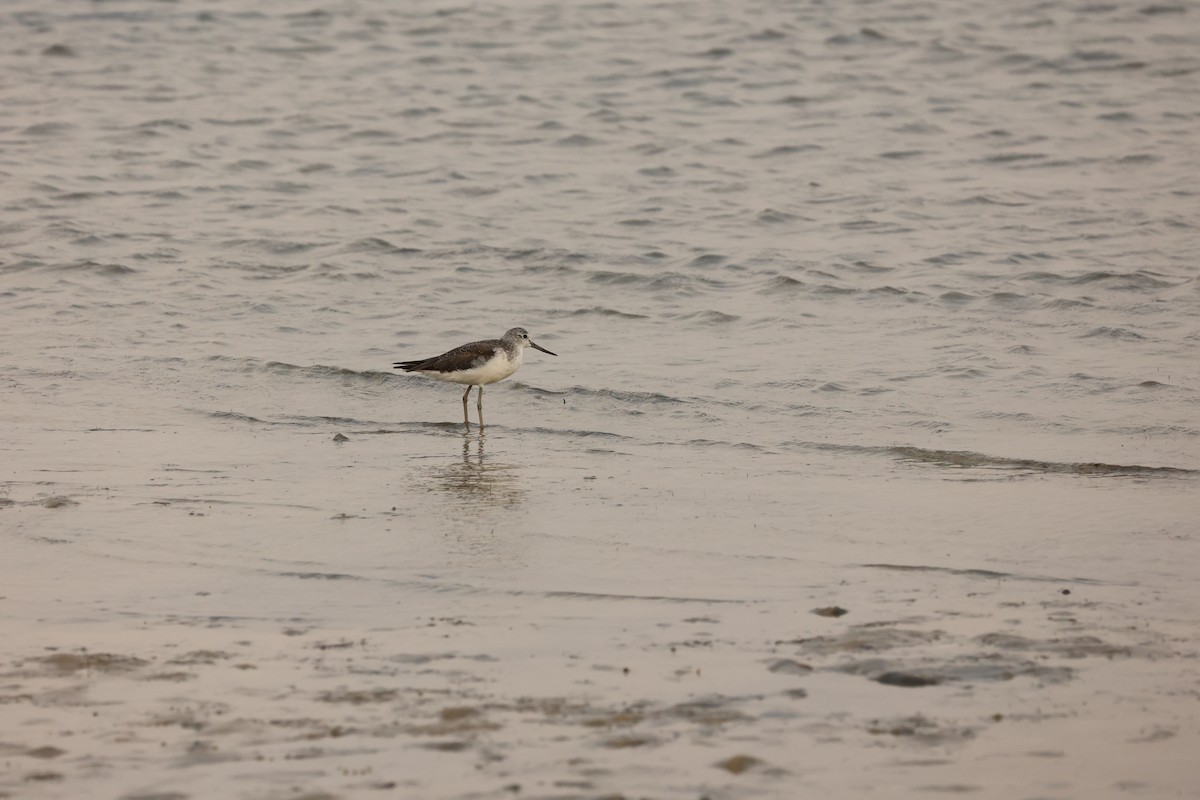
column 465, row 357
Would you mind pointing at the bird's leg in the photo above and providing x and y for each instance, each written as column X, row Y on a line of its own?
column 480, row 407
column 466, row 419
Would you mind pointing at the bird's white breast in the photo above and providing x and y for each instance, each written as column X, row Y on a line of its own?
column 496, row 368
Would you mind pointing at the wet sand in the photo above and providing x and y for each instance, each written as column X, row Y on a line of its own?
column 908, row 701
column 654, row 703
column 431, row 632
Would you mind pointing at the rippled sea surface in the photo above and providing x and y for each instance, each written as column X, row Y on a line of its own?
column 886, row 305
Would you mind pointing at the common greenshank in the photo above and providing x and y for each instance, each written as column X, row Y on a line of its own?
column 476, row 364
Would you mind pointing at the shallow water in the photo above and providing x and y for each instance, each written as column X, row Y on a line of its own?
column 888, row 306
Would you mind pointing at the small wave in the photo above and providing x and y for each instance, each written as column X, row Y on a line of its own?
column 97, row 268
column 1153, row 430
column 952, row 259
column 79, row 197
column 609, row 278
column 600, row 311
column 1017, row 416
column 292, row 421
column 273, row 246
column 979, row 573
column 787, row 150
column 573, row 595
column 781, row 283
column 1012, row 300
column 249, row 164
column 174, row 124
column 1127, row 281
column 1012, row 158
column 1107, row 332
column 830, row 289
column 957, row 298
column 1098, row 60
column 234, row 416
column 709, row 317
column 962, row 372
column 796, row 100
column 317, row 371
column 568, row 432
column 990, row 200
column 242, row 122
column 771, row 216
column 968, row 460
column 657, row 172
column 130, row 430
column 1063, row 303
column 627, row 396
column 1021, row 258
column 708, row 260
column 325, row 420
column 324, row 576
column 329, row 272
column 863, row 36
column 266, row 272
column 369, row 134
column 288, row 187
column 48, row 129
column 673, row 281
column 332, row 208
column 862, row 224
column 767, row 35
column 416, row 427
column 577, row 140
column 867, row 267
column 754, row 448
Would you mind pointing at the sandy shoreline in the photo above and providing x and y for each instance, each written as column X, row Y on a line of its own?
column 274, row 615
column 933, row 682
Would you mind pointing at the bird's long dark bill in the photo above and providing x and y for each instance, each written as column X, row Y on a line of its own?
column 544, row 350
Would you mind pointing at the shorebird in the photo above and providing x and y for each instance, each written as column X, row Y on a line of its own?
column 476, row 364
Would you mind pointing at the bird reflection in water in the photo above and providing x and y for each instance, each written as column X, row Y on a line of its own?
column 479, row 482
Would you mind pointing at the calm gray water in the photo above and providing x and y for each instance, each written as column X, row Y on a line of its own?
column 830, row 284
column 857, row 224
